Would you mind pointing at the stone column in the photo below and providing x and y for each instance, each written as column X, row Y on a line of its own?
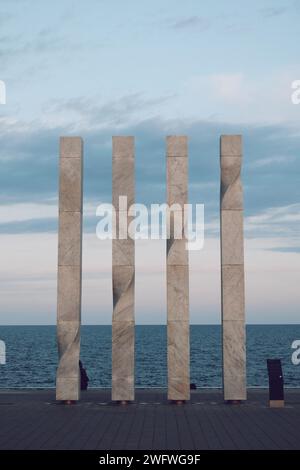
column 177, row 273
column 69, row 268
column 232, row 270
column 123, row 271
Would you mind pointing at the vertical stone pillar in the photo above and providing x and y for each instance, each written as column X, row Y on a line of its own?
column 232, row 270
column 177, row 272
column 123, row 271
column 69, row 268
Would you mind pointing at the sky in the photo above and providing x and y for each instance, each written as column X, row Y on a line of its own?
column 149, row 69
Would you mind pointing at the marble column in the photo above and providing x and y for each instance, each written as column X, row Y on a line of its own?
column 232, row 269
column 69, row 268
column 123, row 272
column 177, row 272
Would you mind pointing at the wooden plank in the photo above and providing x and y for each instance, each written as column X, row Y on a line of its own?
column 160, row 431
column 224, row 435
column 172, row 436
column 183, row 429
column 146, row 438
column 134, row 434
column 120, row 438
column 195, row 422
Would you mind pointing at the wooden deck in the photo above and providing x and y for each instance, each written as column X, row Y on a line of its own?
column 32, row 420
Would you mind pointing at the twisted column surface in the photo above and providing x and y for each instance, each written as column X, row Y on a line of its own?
column 123, row 271
column 232, row 269
column 69, row 268
column 177, row 272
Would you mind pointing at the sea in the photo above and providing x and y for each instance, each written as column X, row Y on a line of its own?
column 31, row 355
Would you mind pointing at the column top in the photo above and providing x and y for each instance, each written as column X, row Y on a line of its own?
column 177, row 146
column 122, row 146
column 231, row 146
column 71, row 147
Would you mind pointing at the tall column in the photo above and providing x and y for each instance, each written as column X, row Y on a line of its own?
column 69, row 268
column 123, row 271
column 232, row 270
column 177, row 273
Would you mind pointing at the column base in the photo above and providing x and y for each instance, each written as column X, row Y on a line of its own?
column 68, row 389
column 177, row 402
column 122, row 402
column 234, row 402
column 276, row 403
column 68, row 402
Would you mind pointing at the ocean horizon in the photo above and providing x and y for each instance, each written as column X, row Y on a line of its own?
column 31, row 355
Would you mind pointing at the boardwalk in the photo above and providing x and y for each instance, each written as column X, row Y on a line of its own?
column 32, row 420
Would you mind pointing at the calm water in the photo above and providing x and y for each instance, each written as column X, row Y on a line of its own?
column 32, row 357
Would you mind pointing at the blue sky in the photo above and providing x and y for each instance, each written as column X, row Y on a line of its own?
column 149, row 69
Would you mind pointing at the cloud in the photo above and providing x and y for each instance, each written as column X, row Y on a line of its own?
column 286, row 249
column 229, row 86
column 271, row 12
column 280, row 221
column 195, row 22
column 44, row 41
column 29, row 165
column 240, row 98
column 274, row 160
column 87, row 114
column 46, row 225
column 23, row 212
column 5, row 17
column 41, row 47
